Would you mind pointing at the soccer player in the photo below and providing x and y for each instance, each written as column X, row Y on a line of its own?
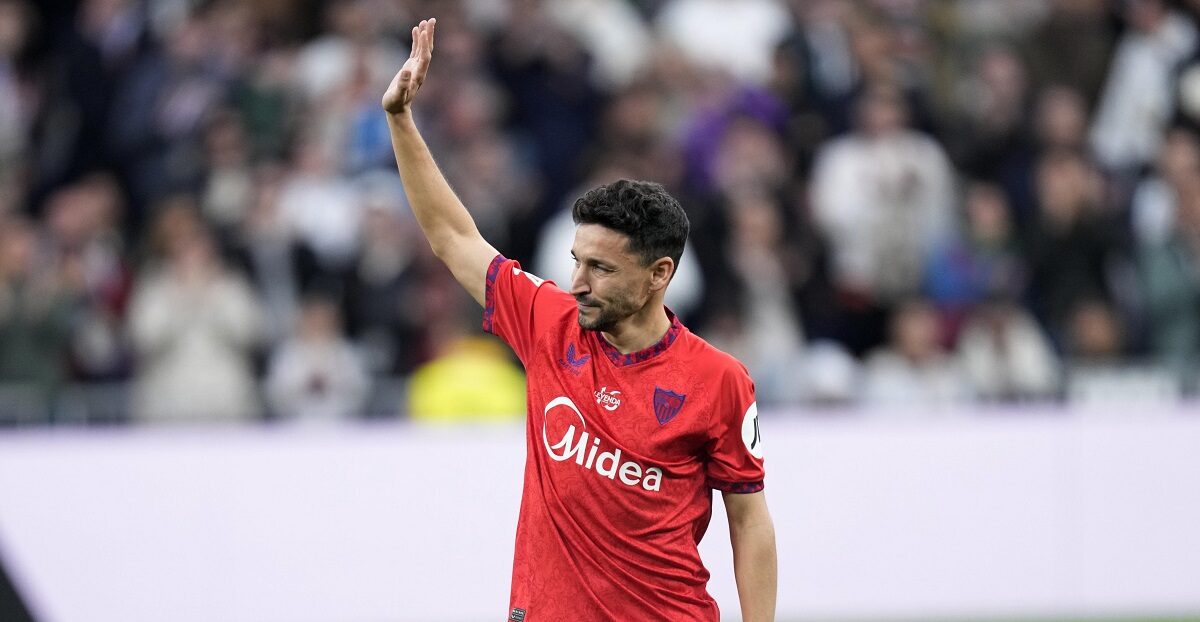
column 632, row 419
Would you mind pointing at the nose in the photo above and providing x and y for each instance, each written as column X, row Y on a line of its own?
column 579, row 282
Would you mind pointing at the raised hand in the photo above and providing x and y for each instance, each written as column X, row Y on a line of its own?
column 411, row 76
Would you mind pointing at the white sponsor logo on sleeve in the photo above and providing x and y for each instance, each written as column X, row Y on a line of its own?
column 751, row 435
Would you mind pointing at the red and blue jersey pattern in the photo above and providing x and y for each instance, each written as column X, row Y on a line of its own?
column 623, row 452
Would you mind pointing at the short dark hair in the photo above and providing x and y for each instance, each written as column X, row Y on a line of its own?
column 642, row 210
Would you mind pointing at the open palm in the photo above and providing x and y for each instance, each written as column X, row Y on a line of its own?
column 411, row 76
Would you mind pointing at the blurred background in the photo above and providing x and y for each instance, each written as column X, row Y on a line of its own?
column 926, row 203
column 935, row 212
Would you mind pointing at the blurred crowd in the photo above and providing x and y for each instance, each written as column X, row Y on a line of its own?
column 911, row 204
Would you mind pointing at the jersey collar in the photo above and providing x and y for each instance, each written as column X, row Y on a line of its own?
column 623, row 360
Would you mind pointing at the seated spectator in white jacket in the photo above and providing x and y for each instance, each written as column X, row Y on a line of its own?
column 913, row 373
column 1007, row 356
column 194, row 325
column 316, row 374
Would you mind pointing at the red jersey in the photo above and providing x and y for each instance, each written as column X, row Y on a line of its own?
column 623, row 451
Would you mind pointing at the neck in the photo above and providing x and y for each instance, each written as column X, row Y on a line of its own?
column 640, row 330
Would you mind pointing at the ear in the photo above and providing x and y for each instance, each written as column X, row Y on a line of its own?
column 661, row 272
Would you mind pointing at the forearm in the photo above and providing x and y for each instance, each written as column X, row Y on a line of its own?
column 755, row 568
column 449, row 228
column 438, row 210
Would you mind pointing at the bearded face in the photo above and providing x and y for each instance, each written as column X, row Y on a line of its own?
column 609, row 282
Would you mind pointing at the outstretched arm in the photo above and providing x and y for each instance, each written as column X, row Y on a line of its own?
column 447, row 225
column 752, row 535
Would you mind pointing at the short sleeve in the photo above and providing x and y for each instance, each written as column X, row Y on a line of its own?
column 735, row 443
column 518, row 306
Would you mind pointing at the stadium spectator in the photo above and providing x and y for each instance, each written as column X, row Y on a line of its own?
column 15, row 113
column 882, row 196
column 760, row 325
column 265, row 246
column 228, row 188
column 750, row 30
column 382, row 293
column 1170, row 268
column 1138, row 96
column 993, row 141
column 36, row 301
column 321, row 210
column 1098, row 370
column 158, row 115
column 1082, row 65
column 484, row 163
column 471, row 380
column 794, row 83
column 614, row 34
column 87, row 73
column 885, row 52
column 1061, row 120
column 1060, row 125
column 983, row 261
column 831, row 377
column 83, row 222
column 316, row 375
column 1073, row 245
column 1094, row 333
column 823, row 37
column 914, row 373
column 349, row 48
column 1006, row 355
column 543, row 70
column 194, row 325
column 1156, row 200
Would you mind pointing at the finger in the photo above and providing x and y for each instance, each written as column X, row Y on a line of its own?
column 432, row 31
column 426, row 47
column 415, row 39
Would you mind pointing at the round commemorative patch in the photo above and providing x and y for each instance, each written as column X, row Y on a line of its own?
column 751, row 435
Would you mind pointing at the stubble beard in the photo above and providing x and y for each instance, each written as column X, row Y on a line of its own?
column 609, row 315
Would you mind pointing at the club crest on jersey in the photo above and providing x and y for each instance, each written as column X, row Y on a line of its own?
column 610, row 400
column 572, row 363
column 666, row 404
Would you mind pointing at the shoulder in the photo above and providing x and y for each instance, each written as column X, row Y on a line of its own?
column 553, row 304
column 712, row 361
column 517, row 277
column 503, row 266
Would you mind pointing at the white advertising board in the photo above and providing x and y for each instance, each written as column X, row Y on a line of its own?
column 1014, row 514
